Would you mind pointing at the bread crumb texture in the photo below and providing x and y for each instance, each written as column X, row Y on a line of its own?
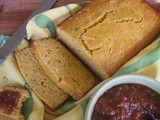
column 35, row 76
column 63, row 68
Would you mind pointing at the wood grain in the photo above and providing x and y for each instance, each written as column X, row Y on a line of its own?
column 14, row 12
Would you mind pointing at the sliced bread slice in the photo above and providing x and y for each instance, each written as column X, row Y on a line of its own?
column 11, row 99
column 63, row 68
column 40, row 83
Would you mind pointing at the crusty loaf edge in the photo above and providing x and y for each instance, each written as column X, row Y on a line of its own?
column 70, row 42
column 64, row 37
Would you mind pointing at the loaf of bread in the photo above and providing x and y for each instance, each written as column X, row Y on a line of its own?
column 11, row 99
column 63, row 68
column 40, row 83
column 107, row 33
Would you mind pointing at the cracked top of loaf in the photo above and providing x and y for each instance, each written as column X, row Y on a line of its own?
column 104, row 29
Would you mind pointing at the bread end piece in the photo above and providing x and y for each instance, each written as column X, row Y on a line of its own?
column 11, row 99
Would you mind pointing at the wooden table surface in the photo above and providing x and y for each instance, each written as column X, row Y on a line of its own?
column 14, row 12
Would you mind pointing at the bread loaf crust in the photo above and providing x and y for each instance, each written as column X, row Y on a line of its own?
column 107, row 33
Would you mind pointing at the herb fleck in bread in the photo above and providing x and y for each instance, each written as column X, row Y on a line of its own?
column 11, row 99
column 35, row 76
column 63, row 68
column 107, row 33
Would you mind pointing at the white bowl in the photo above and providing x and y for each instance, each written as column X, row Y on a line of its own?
column 130, row 78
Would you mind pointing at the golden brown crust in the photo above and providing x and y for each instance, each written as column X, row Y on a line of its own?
column 110, row 32
column 11, row 99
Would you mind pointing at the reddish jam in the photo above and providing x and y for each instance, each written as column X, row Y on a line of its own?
column 128, row 102
column 8, row 101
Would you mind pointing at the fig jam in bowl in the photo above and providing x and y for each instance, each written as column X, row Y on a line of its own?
column 127, row 97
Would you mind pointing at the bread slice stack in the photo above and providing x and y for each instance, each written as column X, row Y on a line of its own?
column 53, row 72
column 107, row 33
column 11, row 99
column 63, row 68
column 40, row 83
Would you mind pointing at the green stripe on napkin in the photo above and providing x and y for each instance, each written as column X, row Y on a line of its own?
column 3, row 39
column 144, row 61
column 44, row 21
column 28, row 104
column 84, row 104
column 68, row 9
column 68, row 105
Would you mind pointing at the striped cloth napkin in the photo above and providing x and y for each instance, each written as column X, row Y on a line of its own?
column 147, row 62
